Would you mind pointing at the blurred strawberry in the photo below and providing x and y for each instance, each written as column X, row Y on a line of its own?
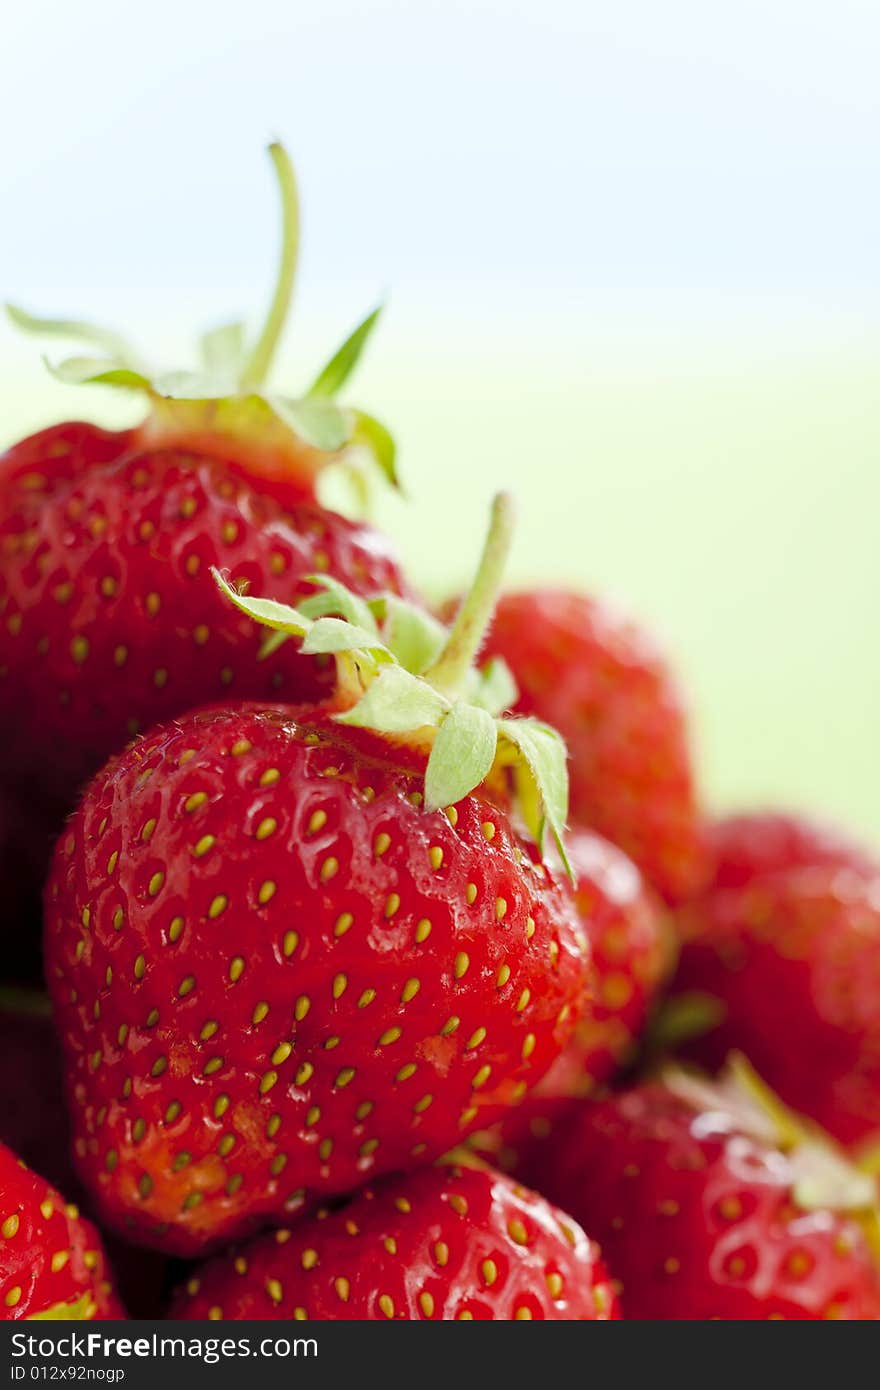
column 793, row 960
column 706, row 1205
column 746, row 846
column 445, row 1244
column 602, row 683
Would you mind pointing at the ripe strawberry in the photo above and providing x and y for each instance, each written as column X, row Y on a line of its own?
column 52, row 1264
column 747, row 846
column 598, row 679
column 794, row 959
column 702, row 1215
column 279, row 967
column 444, row 1244
column 108, row 619
column 630, row 948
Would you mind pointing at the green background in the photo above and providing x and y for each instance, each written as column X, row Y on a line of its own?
column 723, row 489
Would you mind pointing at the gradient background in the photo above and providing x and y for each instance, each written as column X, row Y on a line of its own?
column 632, row 257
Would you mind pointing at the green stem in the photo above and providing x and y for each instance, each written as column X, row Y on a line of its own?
column 478, row 605
column 257, row 367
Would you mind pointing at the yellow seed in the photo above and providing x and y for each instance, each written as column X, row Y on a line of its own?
column 79, row 649
column 325, row 1149
column 422, row 1105
column 386, row 1303
column 450, row 1026
column 522, row 1001
column 329, row 868
column 118, row 919
column 555, row 1284
column 471, row 894
column 209, row 1029
column 381, row 844
column 368, row 1147
column 390, row 1035
column 304, row 1073
column 186, row 985
column 452, row 816
column 345, row 1076
column 172, row 1112
column 426, row 1303
column 267, row 1081
column 342, row 1287
column 317, row 821
column 488, row 829
column 201, row 633
column 500, row 909
column 478, row 1036
column 363, row 1110
column 193, row 802
column 175, row 930
column 530, row 928
column 203, row 845
column 503, row 976
column 159, row 1066
column 13, row 1296
column 517, row 1232
column 260, row 1012
column 274, row 1290
column 403, row 1204
column 153, row 604
column 270, row 777
column 343, row 922
column 272, row 1129
column 523, row 1314
column 281, row 1053
column 155, row 885
column 140, row 967
column 441, row 1253
column 313, row 1115
column 390, row 1245
column 113, row 861
column 435, row 855
column 46, row 1209
column 221, row 1105
column 236, row 968
column 489, row 1271
column 462, row 962
column 9, row 1227
column 528, row 1046
column 366, row 998
column 410, row 990
column 289, row 942
column 267, row 827
column 423, row 930
column 340, row 984
column 481, row 1077
column 465, row 1316
column 406, row 1071
column 218, row 906
column 120, row 656
column 160, row 677
column 392, row 903
column 301, row 1008
column 266, row 893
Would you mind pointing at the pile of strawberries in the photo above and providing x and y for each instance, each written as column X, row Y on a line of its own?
column 364, row 987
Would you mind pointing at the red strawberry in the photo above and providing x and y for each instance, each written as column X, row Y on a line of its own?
column 599, row 680
column 630, row 949
column 52, row 1264
column 108, row 619
column 279, row 968
column 701, row 1215
column 444, row 1244
column 745, row 847
column 794, row 959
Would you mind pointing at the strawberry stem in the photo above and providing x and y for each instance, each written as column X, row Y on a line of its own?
column 258, row 364
column 469, row 629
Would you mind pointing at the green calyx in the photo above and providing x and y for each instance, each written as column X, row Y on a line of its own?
column 402, row 674
column 822, row 1175
column 226, row 397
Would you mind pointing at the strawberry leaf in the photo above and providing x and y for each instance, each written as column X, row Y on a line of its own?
column 222, row 349
column 104, row 371
column 396, row 703
column 335, row 600
column 329, row 635
column 265, row 611
column 370, row 434
column 462, row 755
column 411, row 633
column 321, row 423
column 91, row 334
column 494, row 688
column 335, row 374
column 544, row 786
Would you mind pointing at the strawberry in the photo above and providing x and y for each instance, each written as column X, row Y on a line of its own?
column 747, row 846
column 293, row 949
column 793, row 959
column 52, row 1264
column 702, row 1214
column 444, row 1244
column 109, row 620
column 599, row 680
column 630, row 949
